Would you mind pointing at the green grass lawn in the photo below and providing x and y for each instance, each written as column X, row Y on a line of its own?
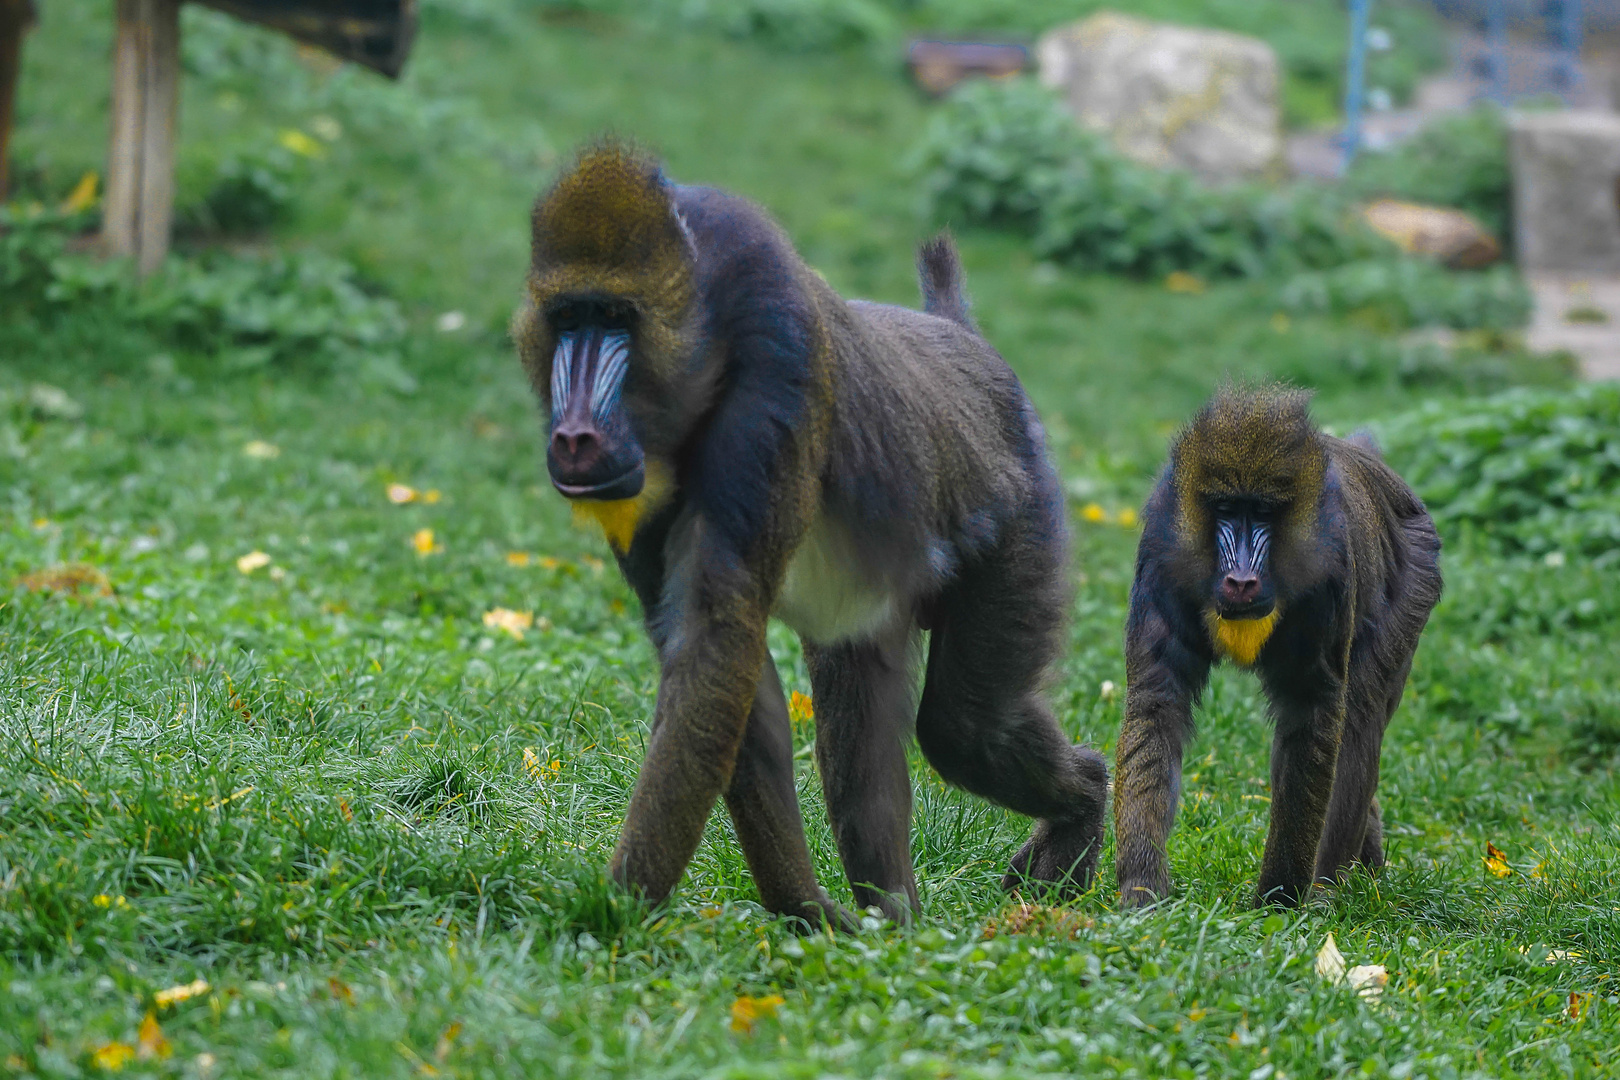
column 375, row 824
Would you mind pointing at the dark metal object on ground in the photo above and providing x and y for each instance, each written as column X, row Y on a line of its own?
column 374, row 33
column 937, row 65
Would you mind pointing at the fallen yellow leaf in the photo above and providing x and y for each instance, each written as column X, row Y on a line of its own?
column 258, row 448
column 176, row 994
column 1367, row 980
column 300, row 144
column 343, row 809
column 113, row 1056
column 253, row 560
column 1495, row 861
column 447, row 1040
column 746, row 1011
column 513, row 622
column 423, row 543
column 537, row 771
column 151, row 1040
column 400, row 494
column 1179, row 281
column 1578, row 1004
column 1330, row 961
column 75, row 578
column 801, row 709
column 340, row 990
column 83, row 195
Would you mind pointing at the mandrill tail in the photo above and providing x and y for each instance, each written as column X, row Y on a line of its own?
column 940, row 268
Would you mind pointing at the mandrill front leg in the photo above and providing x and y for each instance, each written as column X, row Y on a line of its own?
column 764, row 805
column 712, row 666
column 720, row 727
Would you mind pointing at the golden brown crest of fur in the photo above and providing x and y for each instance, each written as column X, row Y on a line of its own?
column 1254, row 442
column 609, row 227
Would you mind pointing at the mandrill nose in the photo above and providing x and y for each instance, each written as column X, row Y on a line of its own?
column 1240, row 588
column 576, row 446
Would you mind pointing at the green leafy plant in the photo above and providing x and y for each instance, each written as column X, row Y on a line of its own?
column 793, row 25
column 1006, row 154
column 245, row 310
column 245, row 192
column 1398, row 293
column 1527, row 470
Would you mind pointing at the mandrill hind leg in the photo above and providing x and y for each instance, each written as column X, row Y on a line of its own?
column 864, row 702
column 1354, row 831
column 764, row 806
column 1372, row 844
column 984, row 722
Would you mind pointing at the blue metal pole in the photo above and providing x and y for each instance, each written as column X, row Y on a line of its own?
column 1355, row 80
column 1496, row 39
column 1569, row 62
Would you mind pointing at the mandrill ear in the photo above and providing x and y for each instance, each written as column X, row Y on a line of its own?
column 613, row 209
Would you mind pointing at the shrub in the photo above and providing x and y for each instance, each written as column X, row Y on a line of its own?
column 1527, row 470
column 245, row 192
column 793, row 25
column 247, row 311
column 1459, row 161
column 1399, row 293
column 1006, row 154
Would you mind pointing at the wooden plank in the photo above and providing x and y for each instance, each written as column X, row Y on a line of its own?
column 374, row 33
column 145, row 105
column 15, row 17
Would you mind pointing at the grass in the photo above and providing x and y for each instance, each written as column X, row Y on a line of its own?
column 308, row 784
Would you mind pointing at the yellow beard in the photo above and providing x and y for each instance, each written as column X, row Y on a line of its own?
column 1241, row 639
column 618, row 518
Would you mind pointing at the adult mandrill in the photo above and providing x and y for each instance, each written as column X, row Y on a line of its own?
column 1306, row 558
column 754, row 445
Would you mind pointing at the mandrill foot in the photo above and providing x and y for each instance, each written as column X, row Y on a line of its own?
column 1059, row 857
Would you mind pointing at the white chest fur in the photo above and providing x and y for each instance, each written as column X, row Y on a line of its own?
column 827, row 595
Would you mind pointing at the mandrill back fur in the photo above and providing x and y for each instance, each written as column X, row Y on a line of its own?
column 859, row 470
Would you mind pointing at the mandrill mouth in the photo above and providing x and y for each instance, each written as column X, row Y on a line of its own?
column 627, row 485
column 1260, row 609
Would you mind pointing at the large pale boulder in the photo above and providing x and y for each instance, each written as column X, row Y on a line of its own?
column 1171, row 96
column 1566, row 190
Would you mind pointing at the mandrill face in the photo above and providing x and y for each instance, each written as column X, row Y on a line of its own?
column 593, row 451
column 1242, row 587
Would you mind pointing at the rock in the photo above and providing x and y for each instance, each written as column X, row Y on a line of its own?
column 1451, row 236
column 1566, row 190
column 1171, row 96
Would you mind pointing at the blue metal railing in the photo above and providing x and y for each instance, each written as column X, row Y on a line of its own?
column 1557, row 21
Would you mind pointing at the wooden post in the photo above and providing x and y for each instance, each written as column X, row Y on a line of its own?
column 15, row 16
column 145, row 104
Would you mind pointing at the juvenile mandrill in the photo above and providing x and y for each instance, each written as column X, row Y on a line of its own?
column 754, row 445
column 1307, row 559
